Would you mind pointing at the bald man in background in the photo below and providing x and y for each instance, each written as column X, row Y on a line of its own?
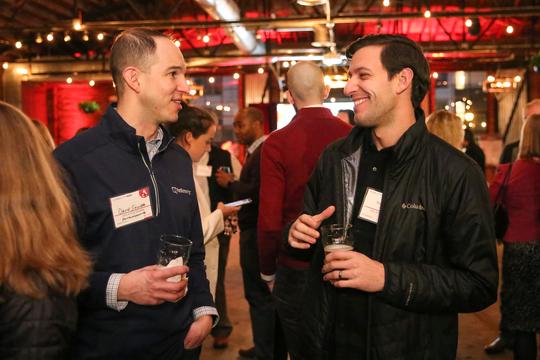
column 288, row 158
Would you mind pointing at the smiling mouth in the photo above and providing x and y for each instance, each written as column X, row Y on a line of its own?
column 360, row 101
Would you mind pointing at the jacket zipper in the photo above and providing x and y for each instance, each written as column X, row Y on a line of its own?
column 152, row 177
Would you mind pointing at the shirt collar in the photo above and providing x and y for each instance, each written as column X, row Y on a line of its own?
column 256, row 144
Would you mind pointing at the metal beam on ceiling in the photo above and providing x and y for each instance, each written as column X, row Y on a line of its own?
column 272, row 23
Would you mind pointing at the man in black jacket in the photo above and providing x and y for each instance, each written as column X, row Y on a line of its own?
column 424, row 247
column 132, row 184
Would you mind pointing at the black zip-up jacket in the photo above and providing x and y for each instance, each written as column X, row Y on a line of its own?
column 434, row 237
column 110, row 160
column 36, row 329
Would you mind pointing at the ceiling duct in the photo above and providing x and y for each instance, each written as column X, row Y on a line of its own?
column 227, row 10
column 322, row 37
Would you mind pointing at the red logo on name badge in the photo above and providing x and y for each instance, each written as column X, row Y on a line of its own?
column 143, row 192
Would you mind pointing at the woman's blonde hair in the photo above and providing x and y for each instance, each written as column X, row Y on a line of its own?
column 45, row 133
column 447, row 126
column 39, row 250
column 529, row 145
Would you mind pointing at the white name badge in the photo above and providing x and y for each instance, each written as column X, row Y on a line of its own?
column 371, row 206
column 131, row 207
column 203, row 170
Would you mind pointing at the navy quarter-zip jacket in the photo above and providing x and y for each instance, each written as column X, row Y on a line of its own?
column 110, row 160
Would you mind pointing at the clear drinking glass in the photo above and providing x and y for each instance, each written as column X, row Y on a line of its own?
column 337, row 237
column 174, row 250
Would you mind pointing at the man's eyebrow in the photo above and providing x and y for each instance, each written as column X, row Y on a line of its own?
column 359, row 69
column 180, row 68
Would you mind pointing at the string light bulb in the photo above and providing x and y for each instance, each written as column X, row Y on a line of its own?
column 50, row 37
column 211, row 80
column 236, row 76
column 435, row 75
column 177, row 43
column 39, row 39
column 67, row 37
column 260, row 70
column 92, row 83
column 427, row 14
column 5, row 65
column 386, row 3
column 69, row 80
column 85, row 36
column 468, row 23
column 509, row 29
column 100, row 36
column 18, row 44
column 206, row 39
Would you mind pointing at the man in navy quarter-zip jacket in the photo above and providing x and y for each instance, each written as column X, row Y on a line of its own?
column 131, row 184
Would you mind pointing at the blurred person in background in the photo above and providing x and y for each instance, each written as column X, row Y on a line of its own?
column 520, row 293
column 505, row 340
column 447, row 126
column 194, row 132
column 42, row 266
column 474, row 151
column 347, row 116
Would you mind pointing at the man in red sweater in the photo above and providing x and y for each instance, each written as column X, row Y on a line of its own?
column 288, row 157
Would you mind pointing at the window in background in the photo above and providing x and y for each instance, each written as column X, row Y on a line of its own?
column 461, row 92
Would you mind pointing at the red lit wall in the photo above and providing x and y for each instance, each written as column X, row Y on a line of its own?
column 56, row 104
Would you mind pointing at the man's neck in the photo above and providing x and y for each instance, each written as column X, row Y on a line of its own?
column 136, row 118
column 390, row 132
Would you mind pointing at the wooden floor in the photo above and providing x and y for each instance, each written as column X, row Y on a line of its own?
column 475, row 330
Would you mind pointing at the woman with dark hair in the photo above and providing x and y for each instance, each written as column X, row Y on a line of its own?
column 520, row 292
column 42, row 266
column 194, row 132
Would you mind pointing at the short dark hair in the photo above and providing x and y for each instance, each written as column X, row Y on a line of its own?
column 132, row 47
column 398, row 53
column 350, row 115
column 252, row 113
column 192, row 119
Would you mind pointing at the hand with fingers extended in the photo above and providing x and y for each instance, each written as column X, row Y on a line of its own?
column 351, row 269
column 149, row 285
column 303, row 232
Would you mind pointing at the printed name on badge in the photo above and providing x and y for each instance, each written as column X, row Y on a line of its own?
column 371, row 206
column 131, row 207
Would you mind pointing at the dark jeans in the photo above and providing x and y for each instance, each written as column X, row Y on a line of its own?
column 224, row 326
column 288, row 296
column 261, row 308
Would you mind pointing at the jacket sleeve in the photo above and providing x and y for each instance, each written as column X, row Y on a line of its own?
column 94, row 296
column 271, row 196
column 212, row 225
column 467, row 281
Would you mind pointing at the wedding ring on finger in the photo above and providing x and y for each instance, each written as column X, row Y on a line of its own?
column 339, row 275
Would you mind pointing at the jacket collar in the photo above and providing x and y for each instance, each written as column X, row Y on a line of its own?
column 406, row 148
column 125, row 135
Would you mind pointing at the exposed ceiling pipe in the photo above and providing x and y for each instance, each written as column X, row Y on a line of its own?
column 227, row 10
column 289, row 22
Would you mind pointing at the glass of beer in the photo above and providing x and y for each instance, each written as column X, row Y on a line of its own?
column 174, row 250
column 337, row 237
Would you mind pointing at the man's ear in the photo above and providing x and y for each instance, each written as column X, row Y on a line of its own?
column 326, row 91
column 188, row 138
column 131, row 76
column 289, row 97
column 404, row 80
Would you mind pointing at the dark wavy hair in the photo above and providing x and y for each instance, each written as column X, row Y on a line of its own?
column 398, row 53
column 192, row 119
